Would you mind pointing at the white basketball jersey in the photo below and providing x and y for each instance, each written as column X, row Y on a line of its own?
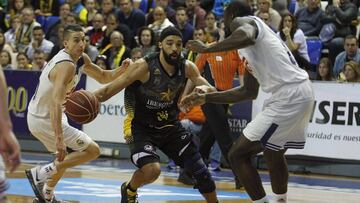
column 41, row 100
column 270, row 60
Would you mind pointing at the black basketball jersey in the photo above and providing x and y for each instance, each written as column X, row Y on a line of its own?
column 156, row 100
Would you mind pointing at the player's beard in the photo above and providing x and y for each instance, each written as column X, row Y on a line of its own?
column 171, row 60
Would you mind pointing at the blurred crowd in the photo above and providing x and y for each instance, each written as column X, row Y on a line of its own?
column 31, row 30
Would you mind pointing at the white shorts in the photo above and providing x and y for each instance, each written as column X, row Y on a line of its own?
column 42, row 129
column 283, row 122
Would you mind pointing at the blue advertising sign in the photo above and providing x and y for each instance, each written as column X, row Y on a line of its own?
column 21, row 87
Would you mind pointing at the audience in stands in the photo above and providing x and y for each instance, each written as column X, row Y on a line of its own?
column 23, row 62
column 309, row 18
column 182, row 23
column 39, row 60
column 352, row 52
column 196, row 13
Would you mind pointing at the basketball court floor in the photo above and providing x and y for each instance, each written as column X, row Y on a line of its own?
column 100, row 180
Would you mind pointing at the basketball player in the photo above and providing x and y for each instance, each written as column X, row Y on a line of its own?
column 284, row 119
column 46, row 118
column 157, row 82
column 9, row 146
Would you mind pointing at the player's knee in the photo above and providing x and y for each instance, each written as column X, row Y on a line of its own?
column 151, row 172
column 93, row 150
column 204, row 182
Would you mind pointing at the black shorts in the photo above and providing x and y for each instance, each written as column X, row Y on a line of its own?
column 173, row 140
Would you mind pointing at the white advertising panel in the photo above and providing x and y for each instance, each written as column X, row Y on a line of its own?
column 108, row 125
column 334, row 128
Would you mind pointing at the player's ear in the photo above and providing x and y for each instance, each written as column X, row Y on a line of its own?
column 160, row 45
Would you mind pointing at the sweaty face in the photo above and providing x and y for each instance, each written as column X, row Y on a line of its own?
column 171, row 49
column 75, row 44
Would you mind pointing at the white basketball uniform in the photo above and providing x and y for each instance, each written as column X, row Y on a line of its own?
column 285, row 116
column 38, row 117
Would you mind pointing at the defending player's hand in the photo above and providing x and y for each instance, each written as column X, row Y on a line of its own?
column 10, row 151
column 204, row 89
column 196, row 46
column 192, row 100
column 60, row 150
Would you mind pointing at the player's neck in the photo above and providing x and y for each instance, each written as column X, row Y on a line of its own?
column 73, row 57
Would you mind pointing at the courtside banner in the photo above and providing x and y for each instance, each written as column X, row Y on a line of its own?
column 108, row 125
column 21, row 87
column 334, row 127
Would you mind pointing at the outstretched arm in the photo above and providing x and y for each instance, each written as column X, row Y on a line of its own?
column 136, row 71
column 243, row 35
column 9, row 146
column 100, row 75
column 248, row 91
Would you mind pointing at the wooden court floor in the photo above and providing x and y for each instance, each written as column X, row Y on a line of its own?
column 105, row 177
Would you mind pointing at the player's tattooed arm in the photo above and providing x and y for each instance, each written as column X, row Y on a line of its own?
column 244, row 32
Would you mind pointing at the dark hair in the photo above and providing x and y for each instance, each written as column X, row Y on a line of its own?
column 215, row 34
column 38, row 51
column 103, row 58
column 238, row 8
column 152, row 33
column 327, row 63
column 136, row 49
column 68, row 29
column 294, row 26
column 169, row 31
column 38, row 28
column 181, row 8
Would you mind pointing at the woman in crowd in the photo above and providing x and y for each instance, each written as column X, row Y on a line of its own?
column 351, row 72
column 147, row 40
column 324, row 70
column 5, row 60
column 23, row 62
column 295, row 40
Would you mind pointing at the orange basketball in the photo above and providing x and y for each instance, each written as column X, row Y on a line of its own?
column 82, row 106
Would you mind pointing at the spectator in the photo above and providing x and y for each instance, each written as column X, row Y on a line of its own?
column 265, row 16
column 324, row 70
column 170, row 12
column 5, row 60
column 76, row 7
column 52, row 31
column 136, row 53
column 352, row 52
column 90, row 50
column 116, row 51
column 4, row 45
column 265, row 6
column 199, row 34
column 16, row 6
column 24, row 33
column 23, row 62
column 147, row 40
column 101, row 61
column 96, row 33
column 112, row 24
column 132, row 17
column 196, row 13
column 39, row 60
column 160, row 21
column 107, row 8
column 295, row 40
column 46, row 7
column 309, row 18
column 340, row 14
column 210, row 23
column 71, row 18
column 183, row 25
column 87, row 14
column 59, row 44
column 10, row 34
column 39, row 42
column 351, row 72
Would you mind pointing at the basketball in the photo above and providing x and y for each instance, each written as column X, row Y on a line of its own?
column 82, row 106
